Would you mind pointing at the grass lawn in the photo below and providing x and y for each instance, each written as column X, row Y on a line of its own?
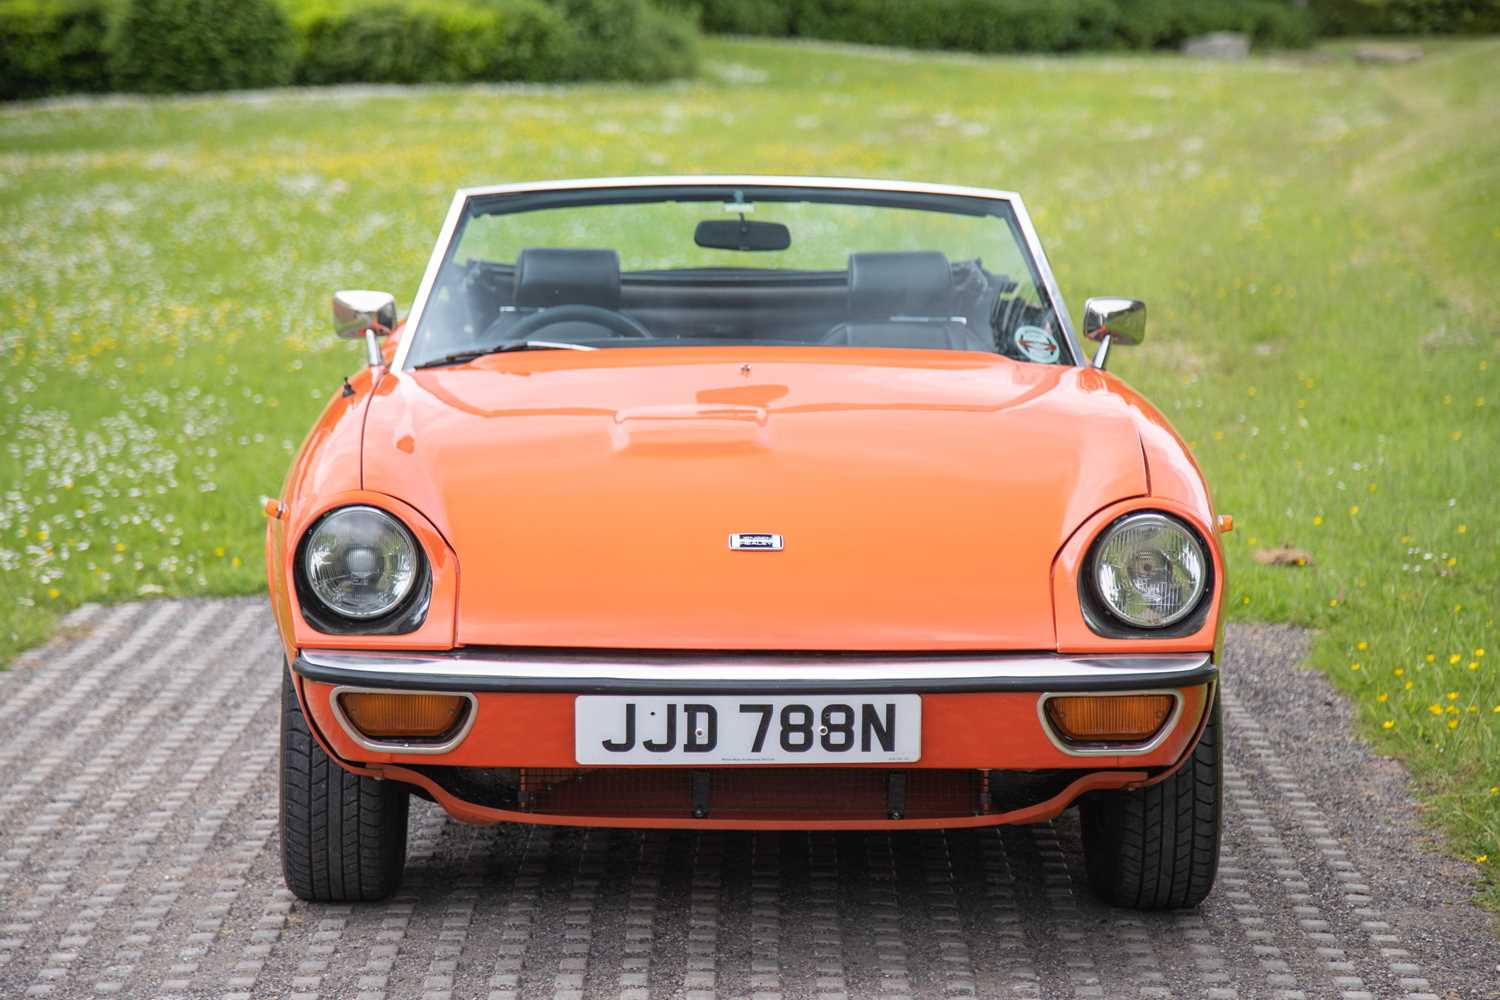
column 1318, row 242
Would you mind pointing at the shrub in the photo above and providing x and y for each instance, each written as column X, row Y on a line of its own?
column 167, row 46
column 1014, row 25
column 53, row 47
column 429, row 42
column 971, row 25
column 1278, row 26
column 740, row 17
column 1414, row 17
column 628, row 40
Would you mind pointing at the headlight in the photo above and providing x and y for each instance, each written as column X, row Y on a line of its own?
column 360, row 562
column 1150, row 570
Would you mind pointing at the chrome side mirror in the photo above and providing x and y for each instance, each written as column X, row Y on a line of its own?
column 1109, row 321
column 365, row 314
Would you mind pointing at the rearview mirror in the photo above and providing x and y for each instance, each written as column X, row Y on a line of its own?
column 355, row 312
column 1113, row 321
column 741, row 234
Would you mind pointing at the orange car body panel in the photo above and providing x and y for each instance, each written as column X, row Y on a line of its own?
column 591, row 494
column 935, row 501
column 973, row 730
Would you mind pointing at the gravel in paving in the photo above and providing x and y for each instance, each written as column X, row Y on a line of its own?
column 138, row 858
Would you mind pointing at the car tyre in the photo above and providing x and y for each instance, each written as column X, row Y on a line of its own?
column 343, row 835
column 1157, row 848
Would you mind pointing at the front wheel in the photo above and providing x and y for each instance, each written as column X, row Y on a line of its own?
column 1157, row 848
column 343, row 836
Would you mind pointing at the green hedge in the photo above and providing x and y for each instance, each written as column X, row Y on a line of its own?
column 177, row 46
column 51, row 47
column 449, row 41
column 1406, row 17
column 1010, row 25
column 428, row 42
column 158, row 46
column 628, row 40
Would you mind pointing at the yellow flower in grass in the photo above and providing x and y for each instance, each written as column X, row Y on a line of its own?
column 1452, row 723
column 1400, row 671
column 1473, row 664
column 1481, row 858
column 1435, row 709
column 1407, row 686
column 1431, row 658
column 1354, row 666
column 1361, row 645
column 1463, row 529
column 219, row 551
column 1388, row 724
column 1317, row 519
column 53, row 593
column 1479, row 651
column 1382, row 697
column 1354, row 510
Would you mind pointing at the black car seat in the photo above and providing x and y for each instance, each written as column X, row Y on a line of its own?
column 556, row 276
column 904, row 299
column 552, row 276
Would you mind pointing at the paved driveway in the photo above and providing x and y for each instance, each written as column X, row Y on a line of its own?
column 138, row 858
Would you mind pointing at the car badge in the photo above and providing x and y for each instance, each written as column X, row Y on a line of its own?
column 755, row 541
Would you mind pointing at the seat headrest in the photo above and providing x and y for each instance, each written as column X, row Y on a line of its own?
column 883, row 285
column 549, row 276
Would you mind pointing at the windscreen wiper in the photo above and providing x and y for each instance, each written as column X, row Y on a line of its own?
column 459, row 357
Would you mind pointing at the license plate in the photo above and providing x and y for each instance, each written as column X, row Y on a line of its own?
column 747, row 729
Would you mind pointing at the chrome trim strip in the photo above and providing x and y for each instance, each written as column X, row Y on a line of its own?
column 429, row 278
column 1109, row 749
column 1049, row 280
column 394, row 746
column 583, row 672
column 461, row 197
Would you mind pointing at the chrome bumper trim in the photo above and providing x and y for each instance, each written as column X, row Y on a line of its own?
column 591, row 672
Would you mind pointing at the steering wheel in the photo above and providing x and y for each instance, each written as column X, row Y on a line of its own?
column 615, row 322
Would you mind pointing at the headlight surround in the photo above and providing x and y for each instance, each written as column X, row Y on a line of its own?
column 1149, row 570
column 360, row 563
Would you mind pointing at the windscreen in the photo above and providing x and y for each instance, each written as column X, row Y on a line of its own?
column 640, row 268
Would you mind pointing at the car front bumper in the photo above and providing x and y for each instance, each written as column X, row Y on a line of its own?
column 980, row 716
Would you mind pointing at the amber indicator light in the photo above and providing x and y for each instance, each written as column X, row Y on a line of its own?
column 1117, row 718
column 386, row 714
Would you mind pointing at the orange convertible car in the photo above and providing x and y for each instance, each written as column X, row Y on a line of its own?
column 745, row 503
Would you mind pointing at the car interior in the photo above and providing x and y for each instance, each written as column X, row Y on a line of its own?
column 578, row 296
